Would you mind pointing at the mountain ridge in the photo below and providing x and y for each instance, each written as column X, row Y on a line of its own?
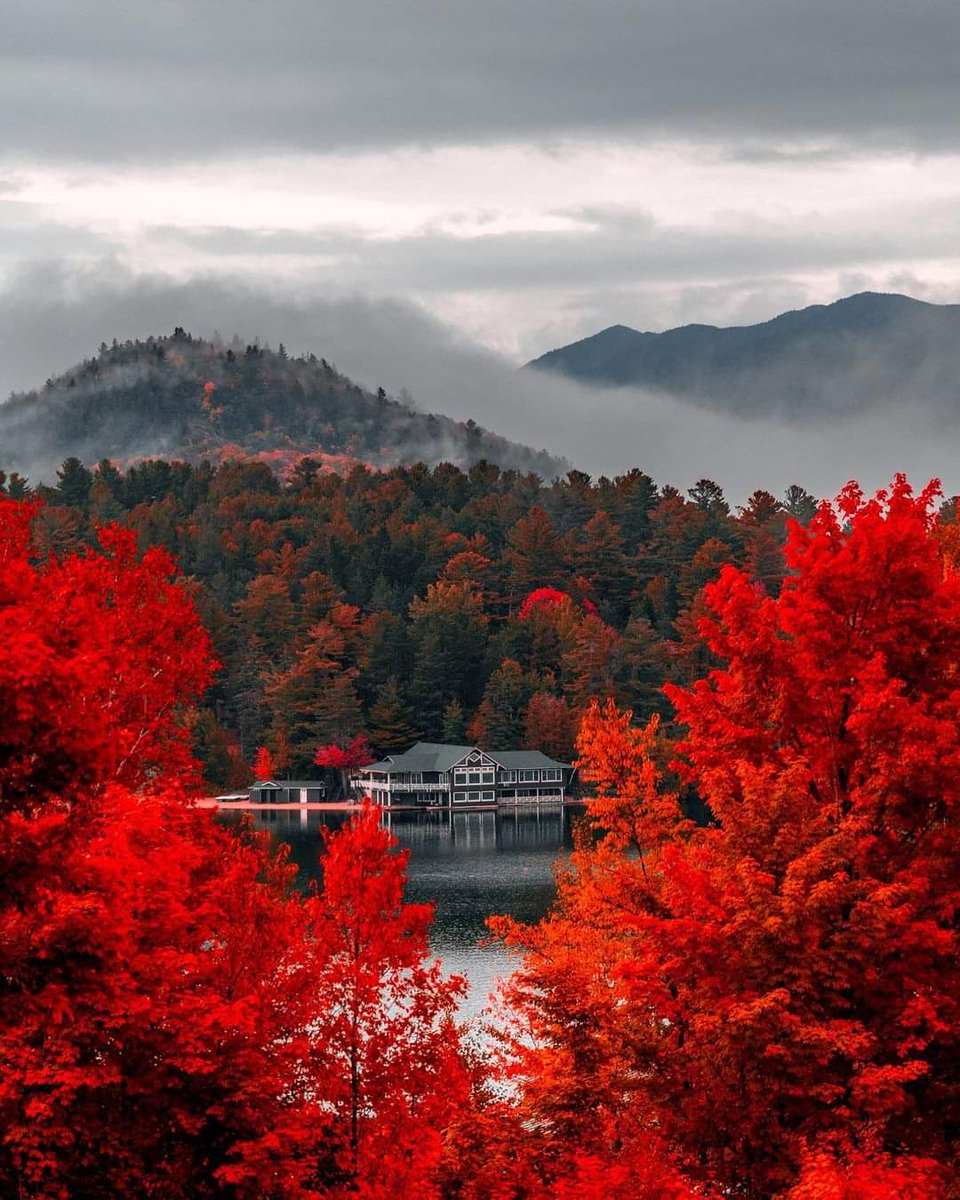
column 842, row 356
column 183, row 397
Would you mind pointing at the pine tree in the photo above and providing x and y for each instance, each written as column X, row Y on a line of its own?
column 498, row 724
column 390, row 723
column 452, row 730
column 315, row 702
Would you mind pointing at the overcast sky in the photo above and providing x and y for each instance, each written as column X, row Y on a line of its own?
column 525, row 172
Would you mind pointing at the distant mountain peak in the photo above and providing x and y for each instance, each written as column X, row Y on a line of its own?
column 179, row 396
column 845, row 356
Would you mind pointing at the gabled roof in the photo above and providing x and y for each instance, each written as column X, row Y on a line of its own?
column 524, row 760
column 432, row 756
column 424, row 756
column 287, row 783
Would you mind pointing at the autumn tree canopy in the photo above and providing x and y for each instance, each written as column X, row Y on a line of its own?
column 775, row 995
column 176, row 1019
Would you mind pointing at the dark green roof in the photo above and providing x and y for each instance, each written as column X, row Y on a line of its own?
column 424, row 756
column 287, row 783
column 433, row 756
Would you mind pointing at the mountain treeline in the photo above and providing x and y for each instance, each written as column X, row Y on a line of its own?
column 183, row 397
column 424, row 602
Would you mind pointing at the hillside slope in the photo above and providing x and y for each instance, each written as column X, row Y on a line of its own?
column 182, row 397
column 854, row 354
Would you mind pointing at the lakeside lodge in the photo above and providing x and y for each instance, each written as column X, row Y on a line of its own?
column 433, row 775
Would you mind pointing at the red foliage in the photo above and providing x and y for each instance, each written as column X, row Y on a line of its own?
column 175, row 1019
column 544, row 597
column 101, row 651
column 352, row 757
column 549, row 725
column 285, row 460
column 154, row 1005
column 264, row 765
column 776, row 995
column 551, row 597
column 207, row 404
column 387, row 1055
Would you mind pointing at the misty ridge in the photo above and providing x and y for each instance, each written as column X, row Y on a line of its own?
column 857, row 355
column 51, row 316
column 188, row 398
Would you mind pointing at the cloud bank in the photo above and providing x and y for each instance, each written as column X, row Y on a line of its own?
column 186, row 77
column 51, row 318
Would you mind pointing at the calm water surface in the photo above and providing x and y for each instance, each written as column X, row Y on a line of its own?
column 471, row 865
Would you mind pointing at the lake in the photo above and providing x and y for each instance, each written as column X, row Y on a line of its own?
column 470, row 864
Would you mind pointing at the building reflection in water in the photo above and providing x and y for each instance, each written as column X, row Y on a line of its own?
column 471, row 865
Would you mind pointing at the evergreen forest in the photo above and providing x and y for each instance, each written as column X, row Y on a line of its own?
column 479, row 605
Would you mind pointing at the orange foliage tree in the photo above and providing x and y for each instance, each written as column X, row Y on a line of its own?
column 774, row 997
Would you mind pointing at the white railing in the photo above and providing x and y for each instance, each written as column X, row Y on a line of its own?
column 418, row 787
column 549, row 797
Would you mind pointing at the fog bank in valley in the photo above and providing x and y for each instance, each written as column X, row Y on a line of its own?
column 51, row 318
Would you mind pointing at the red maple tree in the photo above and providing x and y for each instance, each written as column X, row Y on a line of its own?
column 174, row 1015
column 542, row 597
column 345, row 760
column 387, row 1061
column 101, row 653
column 775, row 995
column 264, row 764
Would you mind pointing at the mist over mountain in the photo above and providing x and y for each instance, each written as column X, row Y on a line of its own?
column 857, row 354
column 188, row 398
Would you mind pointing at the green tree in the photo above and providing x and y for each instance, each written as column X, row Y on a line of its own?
column 498, row 724
column 390, row 722
column 449, row 635
column 74, row 482
column 315, row 702
column 452, row 729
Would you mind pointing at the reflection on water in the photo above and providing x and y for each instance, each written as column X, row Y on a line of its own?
column 470, row 864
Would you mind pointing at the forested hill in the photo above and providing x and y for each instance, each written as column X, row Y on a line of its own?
column 182, row 397
column 412, row 603
column 858, row 353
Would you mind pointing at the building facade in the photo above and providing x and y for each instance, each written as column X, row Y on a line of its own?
column 434, row 775
column 287, row 791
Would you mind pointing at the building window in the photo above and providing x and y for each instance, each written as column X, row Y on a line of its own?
column 459, row 797
column 529, row 776
column 488, row 795
column 508, row 777
column 473, row 797
column 553, row 775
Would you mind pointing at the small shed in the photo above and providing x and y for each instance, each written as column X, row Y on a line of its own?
column 288, row 791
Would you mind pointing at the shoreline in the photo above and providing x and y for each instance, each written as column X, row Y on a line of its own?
column 210, row 802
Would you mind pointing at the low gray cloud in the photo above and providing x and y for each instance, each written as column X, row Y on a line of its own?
column 27, row 231
column 188, row 78
column 51, row 317
column 608, row 247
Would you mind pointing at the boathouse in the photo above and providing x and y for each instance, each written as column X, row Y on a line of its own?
column 287, row 791
column 433, row 775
